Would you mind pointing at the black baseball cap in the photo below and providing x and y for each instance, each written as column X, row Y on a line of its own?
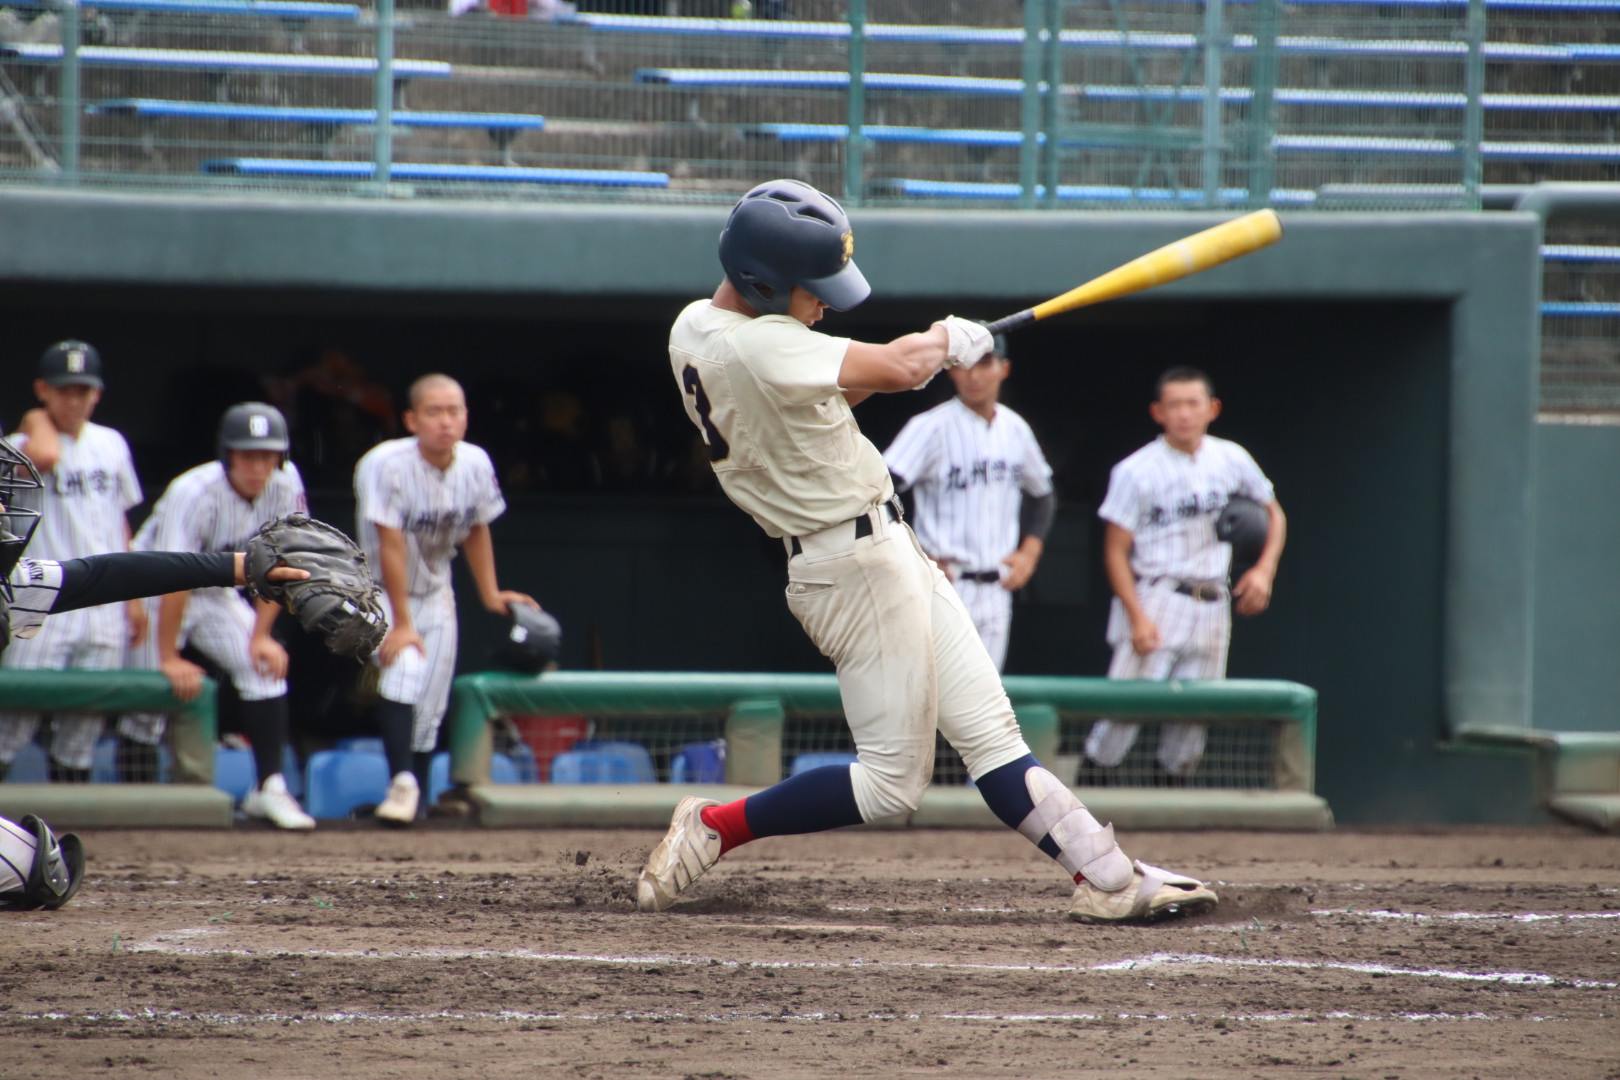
column 71, row 363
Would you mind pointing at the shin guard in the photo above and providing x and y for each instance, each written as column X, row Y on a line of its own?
column 1086, row 847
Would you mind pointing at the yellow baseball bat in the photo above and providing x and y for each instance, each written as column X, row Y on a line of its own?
column 1185, row 257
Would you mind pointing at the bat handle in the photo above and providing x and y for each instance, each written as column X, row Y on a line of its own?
column 1012, row 322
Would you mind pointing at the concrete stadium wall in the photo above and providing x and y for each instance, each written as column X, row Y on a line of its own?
column 1381, row 368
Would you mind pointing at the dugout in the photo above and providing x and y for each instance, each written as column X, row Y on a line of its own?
column 1380, row 367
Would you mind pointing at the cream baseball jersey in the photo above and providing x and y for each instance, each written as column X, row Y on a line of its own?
column 783, row 441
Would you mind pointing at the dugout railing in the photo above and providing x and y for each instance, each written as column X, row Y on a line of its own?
column 1258, row 773
column 190, row 799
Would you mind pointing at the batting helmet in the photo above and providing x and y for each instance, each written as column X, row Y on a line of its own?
column 20, row 500
column 785, row 233
column 532, row 643
column 252, row 425
column 1243, row 523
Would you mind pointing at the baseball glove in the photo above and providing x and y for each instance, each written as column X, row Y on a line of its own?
column 339, row 600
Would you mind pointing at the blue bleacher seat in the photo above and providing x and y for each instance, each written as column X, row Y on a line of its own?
column 279, row 9
column 604, row 762
column 30, row 766
column 223, row 62
column 339, row 781
column 366, row 170
column 158, row 108
column 699, row 763
column 234, row 773
column 806, row 762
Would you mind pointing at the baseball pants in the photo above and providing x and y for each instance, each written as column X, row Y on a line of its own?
column 990, row 607
column 1194, row 636
column 908, row 658
column 89, row 639
column 423, row 681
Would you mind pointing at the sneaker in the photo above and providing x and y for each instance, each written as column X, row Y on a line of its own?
column 1152, row 894
column 689, row 848
column 399, row 808
column 273, row 802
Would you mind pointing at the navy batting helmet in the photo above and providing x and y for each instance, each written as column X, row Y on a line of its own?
column 252, row 425
column 532, row 643
column 785, row 233
column 1244, row 524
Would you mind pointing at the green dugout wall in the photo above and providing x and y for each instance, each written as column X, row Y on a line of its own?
column 1381, row 368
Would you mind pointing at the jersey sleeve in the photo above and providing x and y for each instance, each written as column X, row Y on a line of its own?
column 129, row 485
column 491, row 503
column 1037, row 478
column 380, row 502
column 1251, row 481
column 1120, row 506
column 913, row 457
column 795, row 362
column 181, row 519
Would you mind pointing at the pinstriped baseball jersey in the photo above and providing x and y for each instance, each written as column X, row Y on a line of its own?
column 969, row 476
column 435, row 510
column 783, row 442
column 200, row 511
column 86, row 495
column 35, row 585
column 1168, row 501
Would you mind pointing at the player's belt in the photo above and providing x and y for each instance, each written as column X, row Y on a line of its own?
column 983, row 577
column 1207, row 591
column 890, row 510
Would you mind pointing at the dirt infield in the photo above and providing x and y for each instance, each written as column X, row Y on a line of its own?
column 447, row 952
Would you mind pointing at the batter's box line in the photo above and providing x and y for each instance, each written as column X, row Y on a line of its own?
column 1521, row 978
column 1512, row 916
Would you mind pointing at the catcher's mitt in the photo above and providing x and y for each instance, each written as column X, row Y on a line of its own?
column 339, row 600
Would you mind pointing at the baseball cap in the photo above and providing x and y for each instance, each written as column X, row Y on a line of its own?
column 71, row 363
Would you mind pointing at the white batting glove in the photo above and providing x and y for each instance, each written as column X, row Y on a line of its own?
column 969, row 341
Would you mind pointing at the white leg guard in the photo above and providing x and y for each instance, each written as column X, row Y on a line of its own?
column 1085, row 846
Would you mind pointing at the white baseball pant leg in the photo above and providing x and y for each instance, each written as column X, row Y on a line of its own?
column 88, row 639
column 1194, row 638
column 219, row 623
column 909, row 662
column 144, row 727
column 990, row 606
column 422, row 679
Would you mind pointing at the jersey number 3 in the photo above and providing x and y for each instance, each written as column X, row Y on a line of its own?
column 719, row 449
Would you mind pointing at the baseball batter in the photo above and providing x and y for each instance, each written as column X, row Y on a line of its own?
column 983, row 493
column 1170, row 617
column 417, row 500
column 89, row 486
column 217, row 506
column 772, row 400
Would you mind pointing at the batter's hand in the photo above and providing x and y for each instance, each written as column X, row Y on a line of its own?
column 1252, row 592
column 967, row 341
column 501, row 603
column 1145, row 637
column 1020, row 568
column 185, row 678
column 268, row 657
column 398, row 640
column 137, row 623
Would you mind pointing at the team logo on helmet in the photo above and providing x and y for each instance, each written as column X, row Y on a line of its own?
column 259, row 426
column 849, row 245
column 75, row 361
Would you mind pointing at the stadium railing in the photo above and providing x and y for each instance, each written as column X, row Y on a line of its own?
column 188, row 800
column 1258, row 771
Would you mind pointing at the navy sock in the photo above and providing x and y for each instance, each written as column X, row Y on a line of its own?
column 1007, row 794
column 813, row 801
column 394, row 722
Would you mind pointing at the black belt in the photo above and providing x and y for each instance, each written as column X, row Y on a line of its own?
column 863, row 525
column 984, row 577
column 1207, row 591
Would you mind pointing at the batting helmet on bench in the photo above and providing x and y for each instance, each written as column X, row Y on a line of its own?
column 785, row 233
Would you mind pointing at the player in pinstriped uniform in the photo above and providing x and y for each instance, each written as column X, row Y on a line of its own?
column 417, row 499
column 218, row 506
column 983, row 493
column 89, row 486
column 1170, row 618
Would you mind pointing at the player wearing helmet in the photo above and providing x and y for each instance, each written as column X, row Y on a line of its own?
column 772, row 399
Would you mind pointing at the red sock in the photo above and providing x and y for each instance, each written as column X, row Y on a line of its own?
column 730, row 822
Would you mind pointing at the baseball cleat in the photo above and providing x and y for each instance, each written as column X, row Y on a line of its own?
column 687, row 850
column 273, row 802
column 399, row 808
column 1152, row 894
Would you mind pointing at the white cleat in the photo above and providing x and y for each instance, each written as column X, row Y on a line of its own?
column 687, row 850
column 275, row 804
column 1152, row 894
column 404, row 794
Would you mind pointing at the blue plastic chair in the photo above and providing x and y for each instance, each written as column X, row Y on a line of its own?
column 699, row 763
column 104, row 762
column 339, row 781
column 603, row 763
column 502, row 770
column 805, row 762
column 30, row 766
column 234, row 773
column 361, row 744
